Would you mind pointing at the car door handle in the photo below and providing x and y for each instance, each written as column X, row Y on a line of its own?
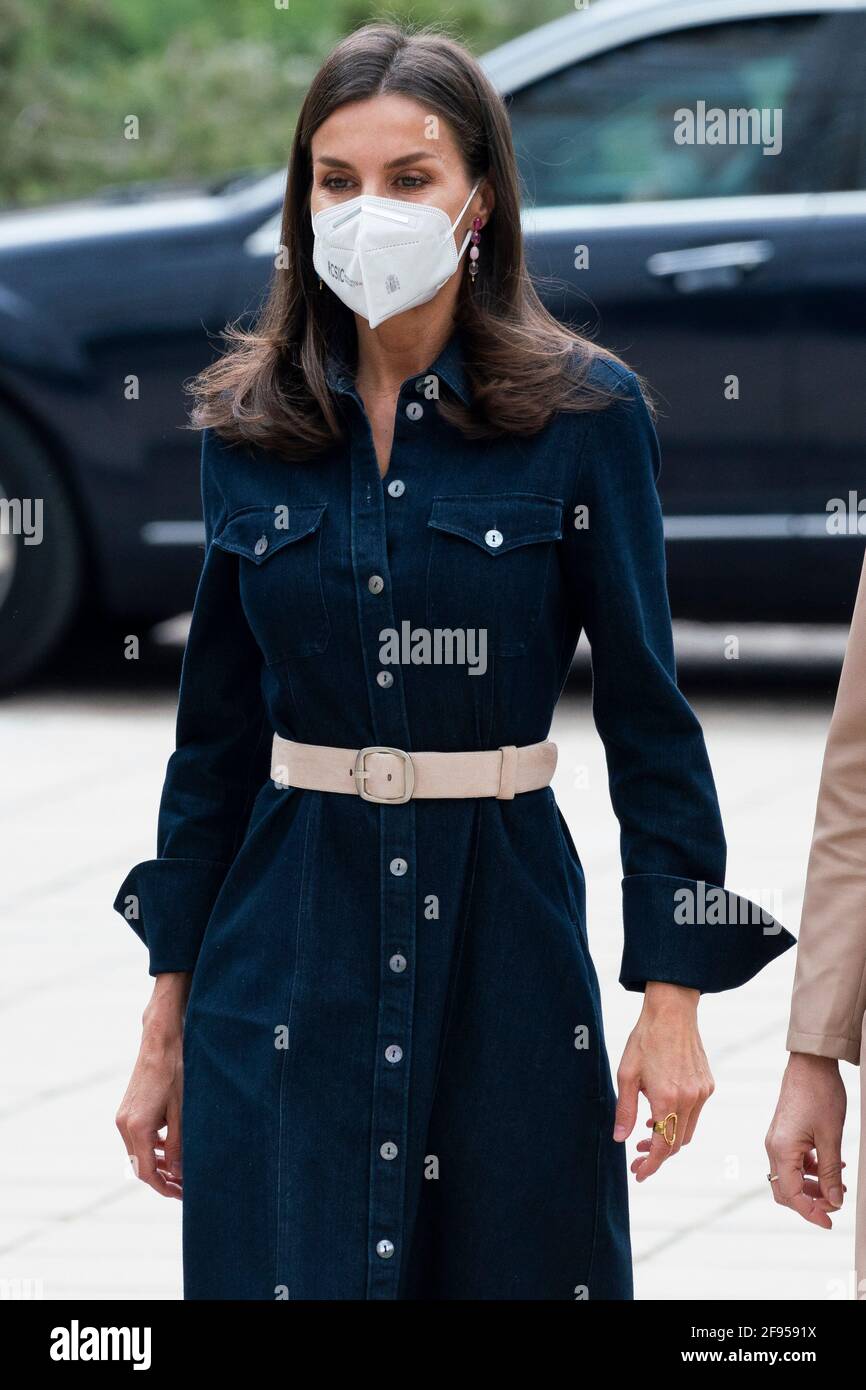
column 700, row 267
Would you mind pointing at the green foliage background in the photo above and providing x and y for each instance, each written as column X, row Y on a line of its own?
column 216, row 84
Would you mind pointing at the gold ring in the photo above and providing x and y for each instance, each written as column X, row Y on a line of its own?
column 661, row 1127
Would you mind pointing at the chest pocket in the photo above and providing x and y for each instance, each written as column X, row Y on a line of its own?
column 280, row 577
column 489, row 558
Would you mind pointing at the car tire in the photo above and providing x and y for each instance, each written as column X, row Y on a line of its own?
column 41, row 581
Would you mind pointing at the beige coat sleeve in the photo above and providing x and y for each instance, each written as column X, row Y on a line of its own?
column 829, row 998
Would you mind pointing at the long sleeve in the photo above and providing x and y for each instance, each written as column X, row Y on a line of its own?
column 680, row 924
column 829, row 999
column 219, row 762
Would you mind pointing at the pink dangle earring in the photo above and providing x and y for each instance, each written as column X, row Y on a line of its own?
column 474, row 253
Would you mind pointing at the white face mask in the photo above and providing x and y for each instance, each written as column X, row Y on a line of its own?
column 384, row 255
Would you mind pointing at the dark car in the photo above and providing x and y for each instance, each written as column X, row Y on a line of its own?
column 695, row 176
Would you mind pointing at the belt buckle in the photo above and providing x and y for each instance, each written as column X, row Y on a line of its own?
column 361, row 774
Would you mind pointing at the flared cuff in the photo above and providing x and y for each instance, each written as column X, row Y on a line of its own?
column 687, row 932
column 168, row 902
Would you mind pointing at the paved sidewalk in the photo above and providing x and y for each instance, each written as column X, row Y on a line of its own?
column 78, row 807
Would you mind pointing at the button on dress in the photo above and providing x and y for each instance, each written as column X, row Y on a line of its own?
column 395, row 1078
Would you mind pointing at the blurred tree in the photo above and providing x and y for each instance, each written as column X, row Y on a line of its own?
column 214, row 85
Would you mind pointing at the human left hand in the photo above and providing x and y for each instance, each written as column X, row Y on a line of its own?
column 664, row 1058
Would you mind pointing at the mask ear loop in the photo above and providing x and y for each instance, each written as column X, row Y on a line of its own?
column 456, row 223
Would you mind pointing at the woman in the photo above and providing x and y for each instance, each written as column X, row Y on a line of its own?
column 417, row 488
column 828, row 1009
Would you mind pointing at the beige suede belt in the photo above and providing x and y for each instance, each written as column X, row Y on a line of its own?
column 391, row 776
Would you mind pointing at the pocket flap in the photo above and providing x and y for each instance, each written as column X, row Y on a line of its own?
column 259, row 532
column 500, row 522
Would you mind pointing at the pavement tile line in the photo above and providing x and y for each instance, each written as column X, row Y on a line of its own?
column 68, row 1218
column 71, row 879
column 691, row 1228
column 34, row 1099
column 776, row 1029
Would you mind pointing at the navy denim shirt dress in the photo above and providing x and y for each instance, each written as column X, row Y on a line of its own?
column 395, row 1078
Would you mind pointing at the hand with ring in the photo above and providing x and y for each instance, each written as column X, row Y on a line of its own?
column 665, row 1060
column 804, row 1142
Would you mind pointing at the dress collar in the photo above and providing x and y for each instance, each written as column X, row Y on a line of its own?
column 449, row 366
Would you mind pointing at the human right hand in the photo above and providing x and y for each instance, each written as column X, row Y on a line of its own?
column 153, row 1097
column 804, row 1141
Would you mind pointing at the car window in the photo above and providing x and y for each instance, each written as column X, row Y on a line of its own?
column 265, row 240
column 604, row 130
column 853, row 93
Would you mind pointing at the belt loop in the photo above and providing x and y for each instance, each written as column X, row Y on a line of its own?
column 507, row 773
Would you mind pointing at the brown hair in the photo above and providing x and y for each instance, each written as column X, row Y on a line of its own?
column 270, row 387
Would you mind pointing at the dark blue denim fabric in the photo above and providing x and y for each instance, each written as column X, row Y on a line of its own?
column 418, row 1057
